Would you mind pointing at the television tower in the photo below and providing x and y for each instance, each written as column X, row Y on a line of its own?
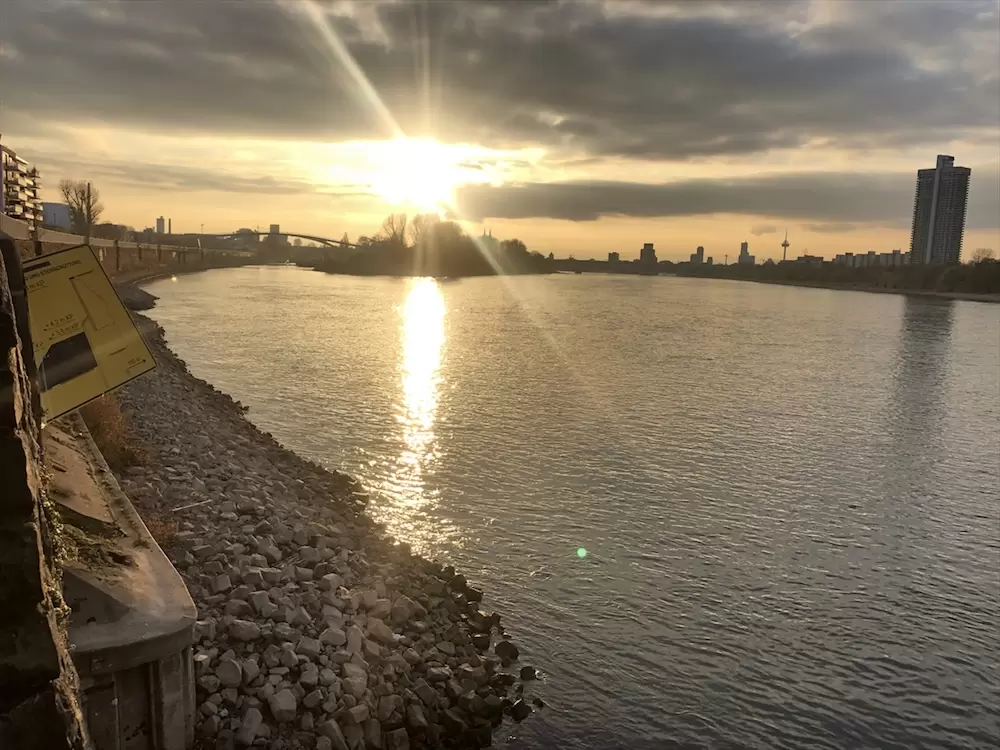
column 784, row 247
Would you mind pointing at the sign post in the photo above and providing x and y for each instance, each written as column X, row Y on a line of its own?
column 85, row 343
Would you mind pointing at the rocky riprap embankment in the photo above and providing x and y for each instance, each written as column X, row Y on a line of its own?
column 315, row 630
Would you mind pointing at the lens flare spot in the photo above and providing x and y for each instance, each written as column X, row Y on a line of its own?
column 581, row 552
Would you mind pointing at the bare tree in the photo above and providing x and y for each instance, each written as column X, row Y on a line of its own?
column 980, row 254
column 393, row 230
column 84, row 201
column 345, row 240
column 421, row 226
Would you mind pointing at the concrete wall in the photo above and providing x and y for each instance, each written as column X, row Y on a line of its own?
column 126, row 260
column 39, row 703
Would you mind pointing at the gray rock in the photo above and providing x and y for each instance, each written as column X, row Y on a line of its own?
column 309, row 647
column 415, row 716
column 327, row 676
column 209, row 683
column 244, row 630
column 426, row 693
column 283, row 705
column 520, row 710
column 379, row 631
column 506, row 650
column 331, row 582
column 251, row 722
column 259, row 599
column 373, row 734
column 250, row 671
column 333, row 637
column 210, row 726
column 355, row 736
column 331, row 731
column 229, row 673
column 354, row 639
column 397, row 739
column 323, row 743
column 404, row 609
column 381, row 610
column 355, row 686
column 205, row 629
column 221, row 584
column 309, row 677
column 438, row 674
column 389, row 705
column 313, row 699
column 358, row 713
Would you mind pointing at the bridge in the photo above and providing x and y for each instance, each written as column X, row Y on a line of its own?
column 325, row 241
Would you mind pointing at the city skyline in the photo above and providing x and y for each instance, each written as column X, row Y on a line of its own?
column 810, row 116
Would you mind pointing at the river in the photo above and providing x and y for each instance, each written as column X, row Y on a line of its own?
column 715, row 514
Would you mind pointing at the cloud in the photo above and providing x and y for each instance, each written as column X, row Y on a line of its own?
column 761, row 229
column 644, row 80
column 830, row 227
column 826, row 198
column 154, row 176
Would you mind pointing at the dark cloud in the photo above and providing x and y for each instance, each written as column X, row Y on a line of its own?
column 152, row 176
column 656, row 80
column 761, row 229
column 827, row 199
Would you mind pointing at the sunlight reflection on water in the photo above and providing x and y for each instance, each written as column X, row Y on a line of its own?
column 408, row 498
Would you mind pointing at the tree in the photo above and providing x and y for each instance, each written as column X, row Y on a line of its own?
column 420, row 226
column 981, row 254
column 514, row 247
column 297, row 242
column 84, row 201
column 345, row 240
column 393, row 230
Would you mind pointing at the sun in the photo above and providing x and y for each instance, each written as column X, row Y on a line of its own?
column 419, row 174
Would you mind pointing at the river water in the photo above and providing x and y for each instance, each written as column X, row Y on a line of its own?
column 716, row 514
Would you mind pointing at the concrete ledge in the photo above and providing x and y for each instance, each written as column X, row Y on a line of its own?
column 132, row 618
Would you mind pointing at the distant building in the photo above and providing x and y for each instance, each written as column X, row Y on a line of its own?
column 160, row 225
column 613, row 257
column 894, row 259
column 647, row 254
column 698, row 256
column 745, row 258
column 939, row 212
column 488, row 242
column 809, row 260
column 56, row 215
column 708, row 260
column 19, row 186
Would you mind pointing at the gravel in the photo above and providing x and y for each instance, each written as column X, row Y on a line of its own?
column 316, row 630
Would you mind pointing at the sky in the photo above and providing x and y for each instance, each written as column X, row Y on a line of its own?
column 579, row 127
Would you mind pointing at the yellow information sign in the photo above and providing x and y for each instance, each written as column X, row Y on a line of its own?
column 85, row 341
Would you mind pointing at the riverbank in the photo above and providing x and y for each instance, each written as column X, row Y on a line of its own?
column 316, row 630
column 966, row 296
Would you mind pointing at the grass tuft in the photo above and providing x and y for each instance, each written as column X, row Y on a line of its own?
column 115, row 437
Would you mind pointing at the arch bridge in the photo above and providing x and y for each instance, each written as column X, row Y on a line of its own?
column 325, row 241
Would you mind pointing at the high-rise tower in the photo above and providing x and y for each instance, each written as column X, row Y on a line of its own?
column 939, row 212
column 784, row 247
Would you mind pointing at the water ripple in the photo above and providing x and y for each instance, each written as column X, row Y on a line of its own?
column 789, row 497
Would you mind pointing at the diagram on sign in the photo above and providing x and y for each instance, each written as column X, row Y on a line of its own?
column 85, row 342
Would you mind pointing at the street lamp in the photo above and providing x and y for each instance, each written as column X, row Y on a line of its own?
column 203, row 229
